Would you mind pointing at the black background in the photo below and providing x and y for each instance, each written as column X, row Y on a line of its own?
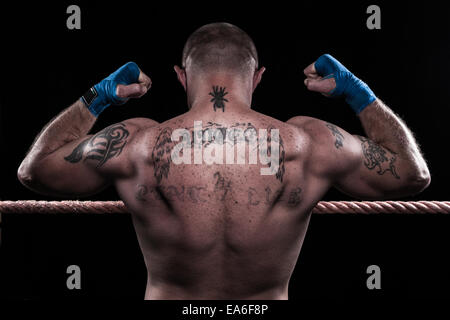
column 45, row 67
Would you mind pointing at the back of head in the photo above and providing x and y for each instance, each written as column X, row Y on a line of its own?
column 220, row 47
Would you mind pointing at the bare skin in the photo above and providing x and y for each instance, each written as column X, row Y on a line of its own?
column 223, row 231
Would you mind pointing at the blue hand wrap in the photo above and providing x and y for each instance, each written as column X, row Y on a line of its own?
column 103, row 94
column 357, row 94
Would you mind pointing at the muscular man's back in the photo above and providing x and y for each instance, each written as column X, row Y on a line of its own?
column 211, row 225
column 220, row 230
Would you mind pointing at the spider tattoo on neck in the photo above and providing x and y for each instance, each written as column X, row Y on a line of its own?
column 218, row 95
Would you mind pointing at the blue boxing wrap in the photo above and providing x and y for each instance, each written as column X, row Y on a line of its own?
column 357, row 94
column 103, row 94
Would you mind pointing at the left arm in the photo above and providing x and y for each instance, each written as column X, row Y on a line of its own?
column 65, row 161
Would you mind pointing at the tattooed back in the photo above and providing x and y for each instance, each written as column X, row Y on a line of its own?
column 220, row 230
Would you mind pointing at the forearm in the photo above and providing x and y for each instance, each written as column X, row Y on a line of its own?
column 71, row 124
column 385, row 128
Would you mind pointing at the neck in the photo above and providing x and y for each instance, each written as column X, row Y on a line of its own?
column 219, row 92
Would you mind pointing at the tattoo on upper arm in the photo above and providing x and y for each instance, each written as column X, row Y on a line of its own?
column 77, row 153
column 338, row 135
column 378, row 157
column 103, row 146
column 218, row 95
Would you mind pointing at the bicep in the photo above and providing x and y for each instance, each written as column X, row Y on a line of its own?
column 370, row 171
column 87, row 165
column 375, row 173
column 65, row 173
column 356, row 165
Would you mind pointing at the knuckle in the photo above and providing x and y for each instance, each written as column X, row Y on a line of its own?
column 119, row 90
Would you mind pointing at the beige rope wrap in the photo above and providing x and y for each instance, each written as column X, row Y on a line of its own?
column 323, row 207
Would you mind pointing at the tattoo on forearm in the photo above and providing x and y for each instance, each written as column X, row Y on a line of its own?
column 337, row 134
column 378, row 157
column 218, row 95
column 103, row 146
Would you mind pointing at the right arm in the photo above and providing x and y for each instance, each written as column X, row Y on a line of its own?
column 385, row 164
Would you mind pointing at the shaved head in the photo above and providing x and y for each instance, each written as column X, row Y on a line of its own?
column 220, row 46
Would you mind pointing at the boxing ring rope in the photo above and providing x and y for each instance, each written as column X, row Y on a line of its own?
column 323, row 207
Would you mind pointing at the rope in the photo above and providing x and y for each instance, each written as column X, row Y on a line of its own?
column 323, row 207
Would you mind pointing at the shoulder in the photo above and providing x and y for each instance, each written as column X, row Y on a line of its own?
column 300, row 120
column 136, row 128
column 308, row 123
column 134, row 132
column 317, row 131
column 332, row 149
column 147, row 134
column 124, row 132
column 140, row 123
